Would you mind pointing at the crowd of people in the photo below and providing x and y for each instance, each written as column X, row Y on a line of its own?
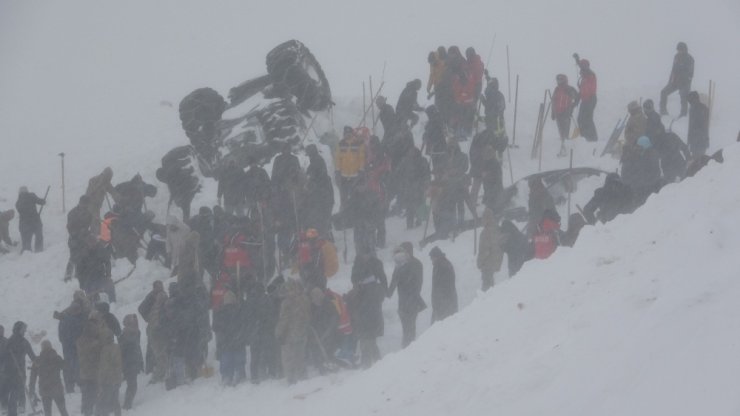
column 230, row 265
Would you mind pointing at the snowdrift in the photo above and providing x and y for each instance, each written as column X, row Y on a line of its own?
column 638, row 318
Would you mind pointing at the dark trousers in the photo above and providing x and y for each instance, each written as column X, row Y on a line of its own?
column 132, row 386
column 71, row 369
column 89, row 392
column 683, row 92
column 16, row 397
column 59, row 400
column 408, row 325
column 586, row 120
column 108, row 400
column 31, row 231
column 563, row 122
column 486, row 277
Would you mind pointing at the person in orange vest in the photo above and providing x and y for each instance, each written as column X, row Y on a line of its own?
column 349, row 163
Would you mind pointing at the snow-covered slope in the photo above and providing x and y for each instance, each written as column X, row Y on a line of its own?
column 636, row 319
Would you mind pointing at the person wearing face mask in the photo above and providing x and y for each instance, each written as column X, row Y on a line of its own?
column 408, row 277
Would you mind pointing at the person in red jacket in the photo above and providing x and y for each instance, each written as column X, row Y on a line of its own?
column 475, row 84
column 547, row 238
column 587, row 91
column 564, row 100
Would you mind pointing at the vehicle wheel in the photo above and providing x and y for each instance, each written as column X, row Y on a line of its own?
column 295, row 70
column 199, row 112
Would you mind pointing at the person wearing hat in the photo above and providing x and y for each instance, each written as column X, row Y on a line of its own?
column 682, row 73
column 698, row 134
column 587, row 92
column 444, row 293
column 46, row 369
column 636, row 124
column 408, row 277
column 349, row 163
column 29, row 220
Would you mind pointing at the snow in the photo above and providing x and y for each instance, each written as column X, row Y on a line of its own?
column 637, row 318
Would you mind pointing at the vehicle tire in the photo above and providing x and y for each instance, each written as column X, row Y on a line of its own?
column 199, row 112
column 294, row 70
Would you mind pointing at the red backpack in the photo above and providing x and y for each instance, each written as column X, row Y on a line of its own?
column 235, row 251
column 546, row 239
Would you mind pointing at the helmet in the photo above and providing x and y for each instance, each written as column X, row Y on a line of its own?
column 561, row 79
column 584, row 63
column 644, row 142
column 312, row 233
column 682, row 47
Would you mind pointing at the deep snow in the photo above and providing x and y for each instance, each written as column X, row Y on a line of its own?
column 636, row 319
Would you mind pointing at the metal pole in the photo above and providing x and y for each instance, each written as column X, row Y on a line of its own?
column 516, row 105
column 372, row 105
column 364, row 104
column 508, row 70
column 64, row 205
column 570, row 183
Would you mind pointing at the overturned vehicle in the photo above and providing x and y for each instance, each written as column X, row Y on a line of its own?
column 272, row 110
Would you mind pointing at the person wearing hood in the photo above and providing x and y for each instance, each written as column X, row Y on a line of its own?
column 98, row 187
column 494, row 103
column 636, row 124
column 610, row 200
column 14, row 366
column 152, row 310
column 132, row 359
column 29, row 220
column 587, row 92
column 369, row 287
column 47, row 370
column 292, row 329
column 540, row 200
column 177, row 232
column 408, row 105
column 5, row 218
column 444, row 292
column 387, row 117
column 408, row 277
column 89, row 345
column 490, row 249
column 319, row 195
column 682, row 73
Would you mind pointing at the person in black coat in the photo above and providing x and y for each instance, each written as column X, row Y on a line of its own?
column 387, row 117
column 517, row 247
column 369, row 287
column 71, row 322
column 407, row 103
column 29, row 220
column 698, row 135
column 231, row 188
column 262, row 312
column 323, row 339
column 131, row 357
column 682, row 73
column 319, row 195
column 257, row 186
column 230, row 329
column 3, row 386
column 408, row 277
column 412, row 178
column 13, row 365
column 444, row 293
column 110, row 320
column 610, row 200
column 434, row 137
column 494, row 104
column 204, row 225
column 641, row 170
column 179, row 175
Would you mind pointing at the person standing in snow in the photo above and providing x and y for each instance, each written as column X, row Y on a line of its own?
column 349, row 164
column 98, row 187
column 231, row 189
column 131, row 357
column 494, row 104
column 564, row 99
column 698, row 135
column 79, row 226
column 587, row 91
column 408, row 277
column 177, row 232
column 319, row 195
column 444, row 292
column 109, row 376
column 636, row 124
column 293, row 328
column 682, row 73
column 46, row 369
column 14, row 368
column 490, row 250
column 387, row 117
column 5, row 218
column 412, row 179
column 152, row 310
column 89, row 345
column 29, row 220
column 408, row 105
column 369, row 287
column 71, row 321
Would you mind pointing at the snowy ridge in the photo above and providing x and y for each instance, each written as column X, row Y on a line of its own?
column 637, row 318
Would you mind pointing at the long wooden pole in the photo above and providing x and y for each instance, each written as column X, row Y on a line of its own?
column 516, row 106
